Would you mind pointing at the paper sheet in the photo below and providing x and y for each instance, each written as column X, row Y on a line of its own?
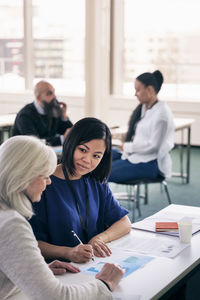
column 162, row 246
column 128, row 261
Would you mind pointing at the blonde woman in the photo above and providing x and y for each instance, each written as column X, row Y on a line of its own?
column 25, row 167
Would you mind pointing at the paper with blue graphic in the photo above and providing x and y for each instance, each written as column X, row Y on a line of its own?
column 130, row 263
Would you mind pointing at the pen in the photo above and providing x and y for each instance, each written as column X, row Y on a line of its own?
column 74, row 234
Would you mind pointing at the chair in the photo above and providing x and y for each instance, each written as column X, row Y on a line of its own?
column 133, row 191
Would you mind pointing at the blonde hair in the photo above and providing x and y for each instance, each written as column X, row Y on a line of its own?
column 22, row 159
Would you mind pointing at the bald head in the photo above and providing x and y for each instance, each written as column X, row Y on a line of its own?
column 44, row 91
column 41, row 87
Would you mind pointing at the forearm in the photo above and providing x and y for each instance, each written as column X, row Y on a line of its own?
column 116, row 230
column 50, row 251
column 79, row 254
column 143, row 145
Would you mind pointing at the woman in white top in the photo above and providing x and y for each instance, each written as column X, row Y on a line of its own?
column 25, row 166
column 150, row 136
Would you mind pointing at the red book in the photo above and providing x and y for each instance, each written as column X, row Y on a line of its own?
column 166, row 226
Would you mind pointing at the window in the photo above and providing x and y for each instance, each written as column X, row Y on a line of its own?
column 162, row 35
column 11, row 45
column 57, row 36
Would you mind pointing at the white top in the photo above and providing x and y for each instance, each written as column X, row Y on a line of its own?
column 22, row 265
column 153, row 139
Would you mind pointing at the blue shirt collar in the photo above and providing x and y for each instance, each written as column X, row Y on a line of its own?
column 39, row 109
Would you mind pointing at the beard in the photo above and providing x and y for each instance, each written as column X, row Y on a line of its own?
column 52, row 109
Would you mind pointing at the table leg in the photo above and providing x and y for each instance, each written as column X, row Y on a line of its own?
column 188, row 155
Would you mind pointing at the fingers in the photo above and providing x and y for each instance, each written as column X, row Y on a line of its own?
column 63, row 105
column 100, row 248
column 86, row 250
column 72, row 268
column 81, row 253
column 111, row 274
column 59, row 267
column 58, row 271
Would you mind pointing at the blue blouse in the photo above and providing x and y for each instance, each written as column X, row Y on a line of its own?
column 56, row 214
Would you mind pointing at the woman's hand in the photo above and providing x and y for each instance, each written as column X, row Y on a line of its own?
column 99, row 247
column 81, row 253
column 122, row 147
column 111, row 274
column 61, row 267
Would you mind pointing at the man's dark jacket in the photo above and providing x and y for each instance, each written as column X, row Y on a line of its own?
column 29, row 122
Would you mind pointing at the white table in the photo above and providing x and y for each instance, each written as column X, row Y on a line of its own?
column 161, row 274
column 157, row 277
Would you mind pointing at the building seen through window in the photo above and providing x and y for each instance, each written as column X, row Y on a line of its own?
column 58, row 44
column 157, row 34
column 11, row 45
column 163, row 35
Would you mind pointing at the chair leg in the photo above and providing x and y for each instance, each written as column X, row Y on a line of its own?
column 166, row 191
column 137, row 199
column 131, row 198
column 146, row 200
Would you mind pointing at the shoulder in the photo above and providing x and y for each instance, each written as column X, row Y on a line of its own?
column 102, row 188
column 9, row 215
column 11, row 221
column 27, row 109
column 93, row 182
column 163, row 106
column 163, row 110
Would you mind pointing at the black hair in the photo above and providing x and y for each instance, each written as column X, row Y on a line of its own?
column 154, row 79
column 133, row 121
column 83, row 131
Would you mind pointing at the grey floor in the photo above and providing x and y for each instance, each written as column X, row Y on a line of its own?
column 180, row 193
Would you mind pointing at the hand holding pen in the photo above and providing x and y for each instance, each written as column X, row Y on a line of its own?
column 85, row 247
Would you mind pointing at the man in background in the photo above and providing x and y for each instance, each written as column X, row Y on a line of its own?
column 45, row 118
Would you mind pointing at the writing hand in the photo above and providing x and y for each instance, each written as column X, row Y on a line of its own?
column 81, row 253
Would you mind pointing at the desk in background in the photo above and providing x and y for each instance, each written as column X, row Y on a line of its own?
column 6, row 123
column 180, row 125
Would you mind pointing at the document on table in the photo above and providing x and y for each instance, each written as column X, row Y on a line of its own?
column 131, row 262
column 148, row 224
column 128, row 261
column 155, row 246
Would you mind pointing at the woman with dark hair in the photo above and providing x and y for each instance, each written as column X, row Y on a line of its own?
column 150, row 135
column 25, row 166
column 79, row 199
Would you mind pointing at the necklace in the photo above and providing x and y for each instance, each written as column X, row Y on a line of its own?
column 84, row 225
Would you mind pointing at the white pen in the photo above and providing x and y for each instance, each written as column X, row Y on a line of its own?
column 74, row 234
